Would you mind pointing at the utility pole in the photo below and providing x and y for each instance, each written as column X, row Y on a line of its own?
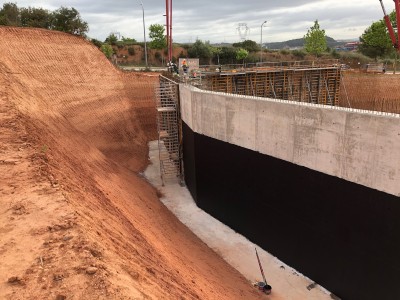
column 261, row 44
column 144, row 34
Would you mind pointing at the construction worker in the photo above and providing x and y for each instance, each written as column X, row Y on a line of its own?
column 185, row 67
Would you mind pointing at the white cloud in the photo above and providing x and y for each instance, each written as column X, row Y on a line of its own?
column 217, row 22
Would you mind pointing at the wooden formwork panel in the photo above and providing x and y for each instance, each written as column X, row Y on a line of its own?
column 314, row 85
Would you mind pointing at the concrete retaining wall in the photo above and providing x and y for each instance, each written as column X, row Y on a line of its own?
column 358, row 146
column 315, row 186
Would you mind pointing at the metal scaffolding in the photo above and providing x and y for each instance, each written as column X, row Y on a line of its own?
column 169, row 129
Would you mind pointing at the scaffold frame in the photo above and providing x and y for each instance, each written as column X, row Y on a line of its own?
column 169, row 129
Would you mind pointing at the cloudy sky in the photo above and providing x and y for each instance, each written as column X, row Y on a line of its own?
column 218, row 21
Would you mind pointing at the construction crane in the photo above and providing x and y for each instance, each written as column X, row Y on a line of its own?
column 389, row 24
column 168, row 16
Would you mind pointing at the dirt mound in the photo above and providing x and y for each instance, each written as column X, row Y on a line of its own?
column 77, row 220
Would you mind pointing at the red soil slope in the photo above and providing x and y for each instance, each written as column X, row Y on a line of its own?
column 77, row 221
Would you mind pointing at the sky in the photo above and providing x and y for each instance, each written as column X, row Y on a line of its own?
column 218, row 21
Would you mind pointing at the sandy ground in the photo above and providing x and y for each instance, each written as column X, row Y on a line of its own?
column 239, row 252
column 77, row 218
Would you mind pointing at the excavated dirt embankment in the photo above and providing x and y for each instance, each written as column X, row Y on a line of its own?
column 77, row 220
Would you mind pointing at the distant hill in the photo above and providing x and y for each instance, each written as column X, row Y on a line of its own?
column 298, row 43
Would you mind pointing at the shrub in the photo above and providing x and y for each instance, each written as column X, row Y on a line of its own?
column 181, row 55
column 107, row 50
column 97, row 43
column 284, row 52
column 335, row 54
column 299, row 54
column 185, row 46
column 131, row 51
column 157, row 55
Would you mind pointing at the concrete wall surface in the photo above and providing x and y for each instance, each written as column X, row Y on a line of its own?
column 359, row 146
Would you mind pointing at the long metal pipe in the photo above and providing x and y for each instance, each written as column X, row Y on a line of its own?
column 167, row 25
column 144, row 34
column 170, row 30
column 262, row 25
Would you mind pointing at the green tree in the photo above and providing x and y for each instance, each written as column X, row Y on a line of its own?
column 35, row 17
column 111, row 39
column 128, row 41
column 97, row 43
column 69, row 20
column 158, row 39
column 315, row 40
column 9, row 15
column 228, row 55
column 202, row 51
column 375, row 41
column 248, row 45
column 241, row 54
column 107, row 50
column 216, row 51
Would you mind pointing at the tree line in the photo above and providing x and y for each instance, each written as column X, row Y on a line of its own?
column 62, row 19
column 375, row 41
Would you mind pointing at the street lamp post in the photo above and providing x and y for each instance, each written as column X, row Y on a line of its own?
column 144, row 34
column 262, row 25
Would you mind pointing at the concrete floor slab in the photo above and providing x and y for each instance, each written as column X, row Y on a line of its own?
column 287, row 283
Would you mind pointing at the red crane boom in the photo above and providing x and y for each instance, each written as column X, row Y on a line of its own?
column 168, row 15
column 389, row 24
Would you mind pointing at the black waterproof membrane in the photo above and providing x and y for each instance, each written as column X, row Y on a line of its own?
column 342, row 235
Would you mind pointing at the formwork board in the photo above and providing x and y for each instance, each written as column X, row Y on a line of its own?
column 312, row 85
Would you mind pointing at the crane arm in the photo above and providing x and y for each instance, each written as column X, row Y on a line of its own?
column 397, row 6
column 389, row 24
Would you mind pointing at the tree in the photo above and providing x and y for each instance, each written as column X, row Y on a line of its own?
column 97, row 43
column 111, row 39
column 216, row 51
column 248, row 45
column 158, row 39
column 107, row 50
column 315, row 40
column 9, row 15
column 228, row 55
column 202, row 51
column 35, row 17
column 128, row 41
column 62, row 19
column 69, row 20
column 375, row 41
column 241, row 54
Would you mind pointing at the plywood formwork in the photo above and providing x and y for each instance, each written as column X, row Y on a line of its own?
column 313, row 85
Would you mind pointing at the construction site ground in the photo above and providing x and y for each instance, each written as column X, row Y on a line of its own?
column 77, row 218
column 238, row 251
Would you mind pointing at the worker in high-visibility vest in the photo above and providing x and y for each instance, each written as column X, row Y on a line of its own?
column 185, row 67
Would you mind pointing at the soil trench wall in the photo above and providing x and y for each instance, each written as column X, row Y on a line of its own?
column 313, row 185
